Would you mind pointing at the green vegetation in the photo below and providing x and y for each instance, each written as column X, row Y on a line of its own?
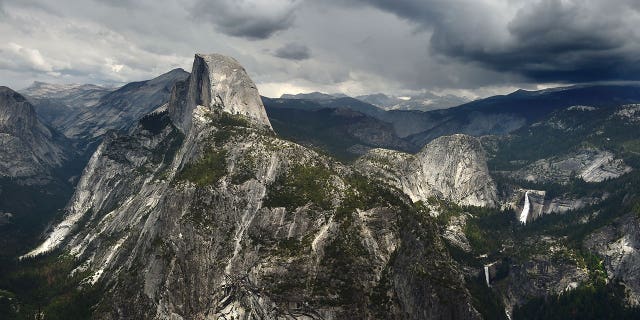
column 163, row 154
column 319, row 129
column 599, row 301
column 345, row 258
column 244, row 170
column 299, row 186
column 484, row 299
column 446, row 209
column 636, row 208
column 45, row 285
column 595, row 265
column 632, row 146
column 228, row 125
column 595, row 129
column 380, row 300
column 479, row 240
column 292, row 247
column 226, row 120
column 364, row 193
column 208, row 170
column 624, row 192
column 155, row 122
column 221, row 137
column 32, row 208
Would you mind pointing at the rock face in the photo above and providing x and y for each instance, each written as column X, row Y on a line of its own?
column 619, row 244
column 630, row 113
column 590, row 165
column 451, row 167
column 540, row 204
column 201, row 212
column 28, row 147
column 221, row 83
column 541, row 275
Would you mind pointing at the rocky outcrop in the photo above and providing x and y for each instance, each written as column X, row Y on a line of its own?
column 619, row 244
column 451, row 167
column 454, row 232
column 630, row 113
column 541, row 275
column 28, row 148
column 540, row 204
column 201, row 212
column 221, row 83
column 590, row 165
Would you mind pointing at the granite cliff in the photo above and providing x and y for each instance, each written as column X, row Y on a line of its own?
column 202, row 212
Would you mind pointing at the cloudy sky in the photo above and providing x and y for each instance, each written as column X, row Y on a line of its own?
column 473, row 48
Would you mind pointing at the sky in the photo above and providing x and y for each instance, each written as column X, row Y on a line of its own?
column 470, row 48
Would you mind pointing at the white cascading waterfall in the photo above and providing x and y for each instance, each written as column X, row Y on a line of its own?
column 525, row 210
column 486, row 275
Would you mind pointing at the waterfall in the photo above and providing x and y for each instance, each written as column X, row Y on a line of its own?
column 486, row 275
column 525, row 210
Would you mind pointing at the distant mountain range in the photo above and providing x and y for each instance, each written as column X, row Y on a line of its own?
column 85, row 112
column 421, row 102
column 411, row 129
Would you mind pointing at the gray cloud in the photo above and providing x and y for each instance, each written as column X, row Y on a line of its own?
column 249, row 19
column 547, row 40
column 293, row 51
column 477, row 47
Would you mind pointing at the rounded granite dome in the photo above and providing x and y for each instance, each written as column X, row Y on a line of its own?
column 218, row 82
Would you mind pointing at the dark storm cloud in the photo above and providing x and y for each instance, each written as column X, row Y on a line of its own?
column 293, row 51
column 473, row 47
column 569, row 42
column 249, row 19
column 547, row 40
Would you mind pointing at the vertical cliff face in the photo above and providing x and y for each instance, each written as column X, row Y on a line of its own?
column 202, row 212
column 220, row 83
column 27, row 147
column 451, row 167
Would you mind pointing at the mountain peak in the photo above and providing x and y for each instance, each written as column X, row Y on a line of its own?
column 8, row 93
column 27, row 146
column 16, row 113
column 217, row 82
column 170, row 76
